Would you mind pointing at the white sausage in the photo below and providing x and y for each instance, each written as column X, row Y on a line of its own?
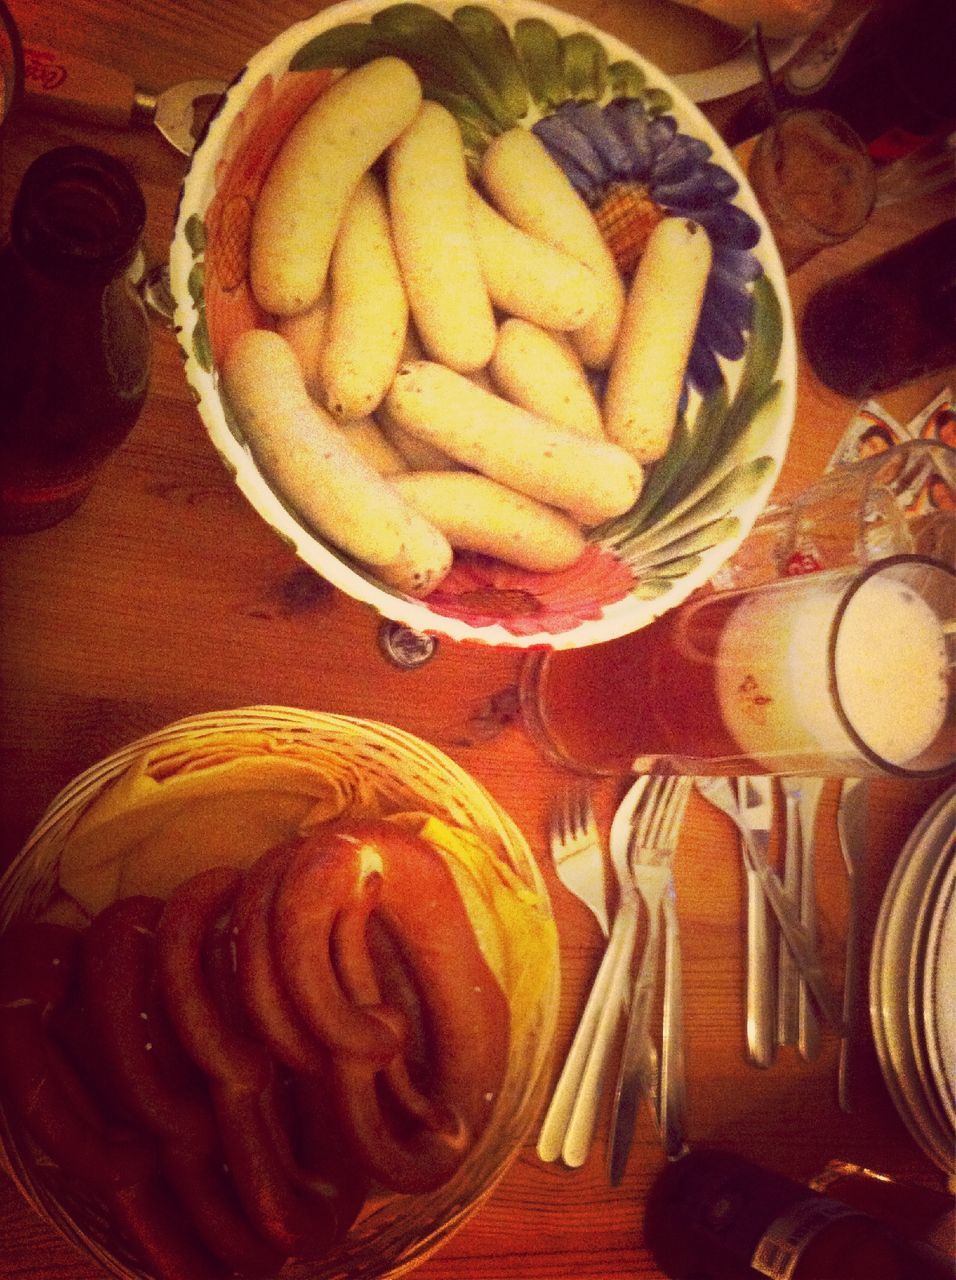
column 531, row 189
column 302, row 453
column 478, row 514
column 660, row 320
column 592, row 480
column 311, row 180
column 368, row 317
column 528, row 277
column 428, row 195
column 541, row 372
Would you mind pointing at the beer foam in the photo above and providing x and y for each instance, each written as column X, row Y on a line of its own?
column 890, row 670
column 890, row 666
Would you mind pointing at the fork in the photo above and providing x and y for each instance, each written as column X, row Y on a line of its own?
column 808, row 792
column 577, row 852
column 651, row 855
column 568, row 1125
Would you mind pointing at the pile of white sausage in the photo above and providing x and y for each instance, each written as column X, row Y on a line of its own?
column 424, row 386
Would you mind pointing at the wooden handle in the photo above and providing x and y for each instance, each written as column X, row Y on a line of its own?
column 65, row 84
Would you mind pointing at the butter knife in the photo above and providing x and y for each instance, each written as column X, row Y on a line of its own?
column 808, row 1027
column 851, row 828
column 760, row 993
column 719, row 792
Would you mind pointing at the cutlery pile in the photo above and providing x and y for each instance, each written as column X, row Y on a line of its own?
column 788, row 994
column 642, row 841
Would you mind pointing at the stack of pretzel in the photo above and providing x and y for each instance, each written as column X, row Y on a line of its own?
column 235, row 1070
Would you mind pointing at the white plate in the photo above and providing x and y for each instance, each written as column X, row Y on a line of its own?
column 939, row 990
column 894, row 946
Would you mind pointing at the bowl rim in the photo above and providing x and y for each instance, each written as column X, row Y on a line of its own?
column 198, row 186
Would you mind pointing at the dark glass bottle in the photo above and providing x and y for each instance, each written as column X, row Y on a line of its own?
column 712, row 1215
column 74, row 335
column 888, row 322
column 893, row 80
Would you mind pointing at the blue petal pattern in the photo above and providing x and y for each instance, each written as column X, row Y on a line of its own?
column 598, row 147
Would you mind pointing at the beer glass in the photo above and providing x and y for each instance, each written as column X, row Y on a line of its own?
column 840, row 672
column 815, row 182
column 900, row 500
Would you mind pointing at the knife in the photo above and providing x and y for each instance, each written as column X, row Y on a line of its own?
column 851, row 828
column 756, row 846
column 760, row 995
column 66, row 84
column 808, row 800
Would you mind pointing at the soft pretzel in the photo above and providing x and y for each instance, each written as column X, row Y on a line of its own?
column 288, row 1205
column 38, row 968
column 426, row 939
column 155, row 1080
column 267, row 1004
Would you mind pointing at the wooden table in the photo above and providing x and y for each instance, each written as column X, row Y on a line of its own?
column 167, row 595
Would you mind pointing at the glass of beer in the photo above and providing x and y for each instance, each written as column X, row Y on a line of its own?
column 815, row 181
column 843, row 672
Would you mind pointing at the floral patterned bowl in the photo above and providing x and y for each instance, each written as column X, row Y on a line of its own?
column 630, row 142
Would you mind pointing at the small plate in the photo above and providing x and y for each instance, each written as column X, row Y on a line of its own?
column 897, row 945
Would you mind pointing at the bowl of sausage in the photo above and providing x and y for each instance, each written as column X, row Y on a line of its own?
column 484, row 318
column 277, row 994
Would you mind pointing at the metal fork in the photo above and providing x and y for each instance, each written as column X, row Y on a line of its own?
column 568, row 1125
column 577, row 852
column 652, row 851
column 571, row 1119
column 760, row 993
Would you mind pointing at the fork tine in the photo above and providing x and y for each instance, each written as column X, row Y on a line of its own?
column 661, row 811
column 588, row 822
column 677, row 803
column 566, row 826
column 647, row 807
column 561, row 824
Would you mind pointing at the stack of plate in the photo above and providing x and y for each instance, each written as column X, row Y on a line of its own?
column 913, row 983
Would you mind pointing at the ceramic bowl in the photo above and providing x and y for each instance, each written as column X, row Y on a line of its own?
column 623, row 132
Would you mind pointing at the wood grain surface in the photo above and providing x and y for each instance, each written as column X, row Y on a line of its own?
column 166, row 595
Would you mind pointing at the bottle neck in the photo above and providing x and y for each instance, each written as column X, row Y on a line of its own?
column 78, row 216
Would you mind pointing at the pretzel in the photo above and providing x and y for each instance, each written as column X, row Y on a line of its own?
column 410, row 1125
column 294, row 1210
column 145, row 1063
column 264, row 997
column 38, row 968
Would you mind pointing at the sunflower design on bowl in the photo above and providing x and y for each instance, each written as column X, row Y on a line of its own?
column 636, row 153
